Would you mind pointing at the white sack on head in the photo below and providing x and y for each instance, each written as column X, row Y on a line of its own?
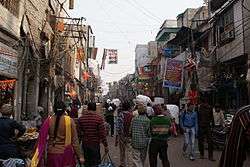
column 116, row 102
column 158, row 100
column 143, row 99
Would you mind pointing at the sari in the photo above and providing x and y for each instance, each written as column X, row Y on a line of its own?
column 67, row 159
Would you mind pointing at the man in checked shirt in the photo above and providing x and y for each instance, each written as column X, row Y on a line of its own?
column 140, row 136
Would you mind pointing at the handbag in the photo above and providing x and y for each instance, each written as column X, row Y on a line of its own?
column 106, row 161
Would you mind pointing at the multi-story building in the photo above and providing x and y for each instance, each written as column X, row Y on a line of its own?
column 185, row 19
column 228, row 37
column 10, row 21
column 38, row 55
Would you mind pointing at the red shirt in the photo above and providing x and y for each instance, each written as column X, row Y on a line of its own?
column 92, row 129
column 193, row 97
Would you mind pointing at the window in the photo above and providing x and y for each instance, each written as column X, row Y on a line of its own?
column 226, row 28
column 11, row 5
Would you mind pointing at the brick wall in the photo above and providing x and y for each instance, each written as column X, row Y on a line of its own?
column 10, row 22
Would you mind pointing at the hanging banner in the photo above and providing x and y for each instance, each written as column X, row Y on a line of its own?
column 93, row 53
column 104, row 59
column 146, row 72
column 173, row 74
column 7, row 85
column 112, row 56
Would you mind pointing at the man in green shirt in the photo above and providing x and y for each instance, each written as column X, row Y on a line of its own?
column 159, row 128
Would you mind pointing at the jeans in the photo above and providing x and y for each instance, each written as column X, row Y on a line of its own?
column 110, row 121
column 189, row 134
column 139, row 157
column 158, row 147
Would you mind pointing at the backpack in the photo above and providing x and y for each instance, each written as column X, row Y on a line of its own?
column 126, row 123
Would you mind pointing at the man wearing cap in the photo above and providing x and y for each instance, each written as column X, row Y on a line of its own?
column 8, row 127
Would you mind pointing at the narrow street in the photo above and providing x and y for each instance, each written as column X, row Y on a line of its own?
column 147, row 68
column 175, row 156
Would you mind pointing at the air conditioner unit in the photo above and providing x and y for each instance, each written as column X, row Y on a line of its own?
column 227, row 36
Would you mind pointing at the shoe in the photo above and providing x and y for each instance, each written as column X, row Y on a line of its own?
column 191, row 158
column 202, row 157
column 184, row 154
column 211, row 159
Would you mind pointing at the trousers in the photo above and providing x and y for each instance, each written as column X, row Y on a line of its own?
column 158, row 147
column 189, row 140
column 139, row 157
column 205, row 133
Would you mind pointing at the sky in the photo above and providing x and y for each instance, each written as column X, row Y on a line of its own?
column 121, row 24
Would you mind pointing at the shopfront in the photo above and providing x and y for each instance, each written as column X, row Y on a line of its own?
column 231, row 85
column 8, row 74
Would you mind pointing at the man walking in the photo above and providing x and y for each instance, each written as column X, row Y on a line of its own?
column 92, row 132
column 109, row 116
column 206, row 123
column 122, row 137
column 189, row 124
column 140, row 136
column 159, row 128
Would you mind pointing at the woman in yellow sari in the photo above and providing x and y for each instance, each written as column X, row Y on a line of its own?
column 59, row 134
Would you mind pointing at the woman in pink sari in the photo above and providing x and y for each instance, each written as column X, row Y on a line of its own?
column 59, row 134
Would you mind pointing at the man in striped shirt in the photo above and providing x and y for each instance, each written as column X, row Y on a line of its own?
column 93, row 133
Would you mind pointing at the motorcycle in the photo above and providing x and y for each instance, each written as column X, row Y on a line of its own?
column 219, row 133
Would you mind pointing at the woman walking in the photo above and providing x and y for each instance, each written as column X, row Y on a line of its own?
column 63, row 145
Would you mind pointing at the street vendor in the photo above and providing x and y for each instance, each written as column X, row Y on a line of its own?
column 8, row 128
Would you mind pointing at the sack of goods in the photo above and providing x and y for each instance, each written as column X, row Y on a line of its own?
column 106, row 161
column 143, row 99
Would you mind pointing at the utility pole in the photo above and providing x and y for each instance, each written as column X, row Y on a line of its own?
column 87, row 61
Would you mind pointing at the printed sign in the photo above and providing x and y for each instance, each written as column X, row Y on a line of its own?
column 8, row 63
column 112, row 56
column 173, row 74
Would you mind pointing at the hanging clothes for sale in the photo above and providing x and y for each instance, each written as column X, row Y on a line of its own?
column 7, row 88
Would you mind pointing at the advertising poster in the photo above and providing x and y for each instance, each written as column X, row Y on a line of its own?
column 173, row 74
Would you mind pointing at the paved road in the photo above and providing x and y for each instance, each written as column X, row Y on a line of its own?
column 175, row 156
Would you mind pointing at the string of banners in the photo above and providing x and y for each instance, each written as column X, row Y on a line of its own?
column 7, row 85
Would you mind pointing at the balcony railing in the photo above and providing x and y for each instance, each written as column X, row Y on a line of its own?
column 216, row 4
column 11, row 5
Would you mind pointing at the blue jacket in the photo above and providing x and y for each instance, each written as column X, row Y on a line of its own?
column 189, row 120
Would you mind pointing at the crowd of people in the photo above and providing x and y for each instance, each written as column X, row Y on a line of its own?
column 66, row 139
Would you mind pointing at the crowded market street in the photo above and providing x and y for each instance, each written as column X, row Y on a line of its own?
column 124, row 83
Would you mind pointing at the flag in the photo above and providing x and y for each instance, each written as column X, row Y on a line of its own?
column 60, row 26
column 93, row 53
column 112, row 56
column 104, row 59
column 190, row 64
column 80, row 54
column 85, row 76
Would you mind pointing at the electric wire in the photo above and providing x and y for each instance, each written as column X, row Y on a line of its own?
column 127, row 13
column 152, row 14
column 143, row 12
column 115, row 25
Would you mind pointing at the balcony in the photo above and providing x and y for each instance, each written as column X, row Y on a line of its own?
column 216, row 4
column 11, row 5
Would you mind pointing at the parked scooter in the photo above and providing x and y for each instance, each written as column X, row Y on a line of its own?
column 219, row 135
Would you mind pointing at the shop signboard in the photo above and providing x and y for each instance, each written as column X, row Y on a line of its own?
column 8, row 63
column 173, row 77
